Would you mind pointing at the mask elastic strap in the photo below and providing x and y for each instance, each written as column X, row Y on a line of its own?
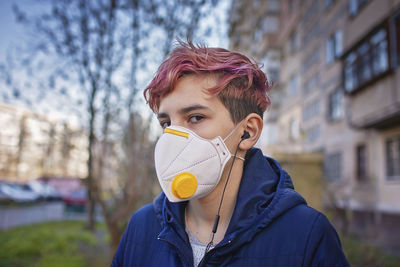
column 233, row 155
column 229, row 135
column 234, row 129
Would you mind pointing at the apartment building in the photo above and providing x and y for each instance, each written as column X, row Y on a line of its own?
column 337, row 92
column 33, row 145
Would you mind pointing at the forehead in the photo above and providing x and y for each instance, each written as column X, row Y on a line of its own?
column 191, row 89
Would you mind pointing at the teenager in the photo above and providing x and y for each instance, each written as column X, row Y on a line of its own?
column 223, row 202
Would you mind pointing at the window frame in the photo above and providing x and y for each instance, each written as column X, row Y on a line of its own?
column 273, row 11
column 356, row 64
column 293, row 42
column 396, row 176
column 361, row 172
column 328, row 158
column 313, row 133
column 330, row 109
column 294, row 85
column 329, row 3
column 311, row 109
column 335, row 44
column 360, row 4
column 394, row 36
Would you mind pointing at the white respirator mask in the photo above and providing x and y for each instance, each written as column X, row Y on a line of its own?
column 187, row 165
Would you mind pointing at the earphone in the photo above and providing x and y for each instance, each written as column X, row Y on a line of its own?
column 245, row 135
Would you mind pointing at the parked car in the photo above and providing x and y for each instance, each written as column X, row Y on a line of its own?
column 76, row 201
column 45, row 191
column 4, row 199
column 18, row 192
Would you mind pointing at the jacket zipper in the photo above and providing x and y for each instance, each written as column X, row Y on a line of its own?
column 211, row 252
column 179, row 250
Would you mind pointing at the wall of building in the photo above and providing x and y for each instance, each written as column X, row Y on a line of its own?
column 354, row 130
column 32, row 146
column 305, row 171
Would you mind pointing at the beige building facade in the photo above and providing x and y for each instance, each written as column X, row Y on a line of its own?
column 337, row 92
column 33, row 146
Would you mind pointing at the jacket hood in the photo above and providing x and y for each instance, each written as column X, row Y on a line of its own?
column 266, row 191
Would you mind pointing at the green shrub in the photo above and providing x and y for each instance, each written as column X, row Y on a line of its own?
column 360, row 254
column 47, row 244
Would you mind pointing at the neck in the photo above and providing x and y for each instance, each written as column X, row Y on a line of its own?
column 201, row 212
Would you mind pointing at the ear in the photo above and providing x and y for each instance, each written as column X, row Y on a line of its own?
column 253, row 124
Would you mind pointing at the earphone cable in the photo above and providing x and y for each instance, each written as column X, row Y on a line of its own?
column 216, row 221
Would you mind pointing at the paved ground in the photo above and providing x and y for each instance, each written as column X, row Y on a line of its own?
column 35, row 213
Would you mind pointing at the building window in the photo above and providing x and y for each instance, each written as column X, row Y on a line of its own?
column 311, row 110
column 291, row 5
column 361, row 159
column 334, row 47
column 397, row 39
column 272, row 65
column 336, row 107
column 356, row 5
column 294, row 85
column 258, row 35
column 380, row 59
column 273, row 5
column 312, row 34
column 329, row 3
column 333, row 166
column 273, row 75
column 293, row 42
column 270, row 24
column 311, row 10
column 311, row 58
column 393, row 158
column 294, row 131
column 367, row 61
column 256, row 4
column 313, row 133
column 311, row 83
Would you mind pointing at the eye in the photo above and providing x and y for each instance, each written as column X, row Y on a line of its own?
column 195, row 118
column 165, row 124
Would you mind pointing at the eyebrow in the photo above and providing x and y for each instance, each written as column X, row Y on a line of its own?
column 184, row 110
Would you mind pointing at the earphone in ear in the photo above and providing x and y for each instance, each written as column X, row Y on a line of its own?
column 245, row 135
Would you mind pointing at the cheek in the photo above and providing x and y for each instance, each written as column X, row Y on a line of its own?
column 213, row 129
column 206, row 131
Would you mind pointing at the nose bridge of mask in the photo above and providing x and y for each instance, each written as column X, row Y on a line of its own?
column 176, row 132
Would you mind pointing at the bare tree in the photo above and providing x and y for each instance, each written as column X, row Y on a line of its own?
column 106, row 47
column 135, row 170
column 22, row 136
column 337, row 197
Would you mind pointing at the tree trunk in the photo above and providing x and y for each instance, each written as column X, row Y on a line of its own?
column 115, row 236
column 90, row 224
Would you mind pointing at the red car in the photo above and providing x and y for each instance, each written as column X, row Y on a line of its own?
column 76, row 200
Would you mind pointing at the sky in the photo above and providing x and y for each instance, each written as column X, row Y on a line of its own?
column 8, row 29
column 12, row 35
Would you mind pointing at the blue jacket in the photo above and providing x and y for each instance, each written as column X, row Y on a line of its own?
column 271, row 226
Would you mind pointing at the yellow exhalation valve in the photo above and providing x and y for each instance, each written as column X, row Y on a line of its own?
column 184, row 185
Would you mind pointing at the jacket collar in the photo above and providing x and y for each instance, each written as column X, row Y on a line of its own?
column 266, row 191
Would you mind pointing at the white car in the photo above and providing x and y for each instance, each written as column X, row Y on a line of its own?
column 18, row 193
column 44, row 190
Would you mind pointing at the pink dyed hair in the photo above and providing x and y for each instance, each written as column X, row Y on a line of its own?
column 238, row 75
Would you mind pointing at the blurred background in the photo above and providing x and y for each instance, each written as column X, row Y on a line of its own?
column 77, row 139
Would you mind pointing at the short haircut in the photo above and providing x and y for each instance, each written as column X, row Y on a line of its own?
column 241, row 85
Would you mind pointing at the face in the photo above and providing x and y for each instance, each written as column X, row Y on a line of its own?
column 189, row 105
